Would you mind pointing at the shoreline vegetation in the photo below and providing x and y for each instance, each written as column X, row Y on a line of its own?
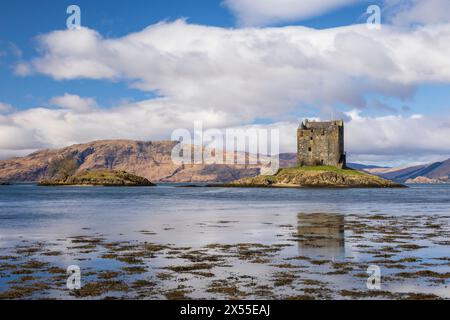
column 105, row 178
column 313, row 177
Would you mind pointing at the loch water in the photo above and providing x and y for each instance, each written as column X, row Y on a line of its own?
column 252, row 239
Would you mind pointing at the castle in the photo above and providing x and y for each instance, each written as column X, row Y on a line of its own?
column 321, row 143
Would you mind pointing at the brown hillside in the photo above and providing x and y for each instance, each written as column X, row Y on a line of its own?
column 151, row 160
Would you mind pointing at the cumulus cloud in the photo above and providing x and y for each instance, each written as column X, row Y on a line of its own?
column 22, row 69
column 408, row 137
column 266, row 12
column 74, row 102
column 417, row 12
column 398, row 12
column 230, row 77
column 5, row 107
column 38, row 128
column 253, row 71
column 393, row 140
column 386, row 140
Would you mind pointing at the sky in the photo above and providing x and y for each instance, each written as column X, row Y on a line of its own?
column 142, row 69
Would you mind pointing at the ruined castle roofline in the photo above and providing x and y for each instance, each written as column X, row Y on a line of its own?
column 321, row 124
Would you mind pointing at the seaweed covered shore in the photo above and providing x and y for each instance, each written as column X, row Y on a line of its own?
column 311, row 260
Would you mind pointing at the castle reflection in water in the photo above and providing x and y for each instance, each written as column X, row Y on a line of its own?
column 321, row 235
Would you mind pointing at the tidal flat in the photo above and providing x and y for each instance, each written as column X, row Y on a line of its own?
column 242, row 249
column 324, row 256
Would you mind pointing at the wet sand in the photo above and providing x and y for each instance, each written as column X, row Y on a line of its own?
column 302, row 256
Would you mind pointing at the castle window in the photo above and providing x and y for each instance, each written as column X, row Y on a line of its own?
column 309, row 149
column 311, row 138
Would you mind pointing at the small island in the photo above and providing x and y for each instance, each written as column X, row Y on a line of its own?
column 4, row 183
column 321, row 163
column 106, row 178
column 314, row 177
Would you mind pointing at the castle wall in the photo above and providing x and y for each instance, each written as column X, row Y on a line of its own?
column 321, row 144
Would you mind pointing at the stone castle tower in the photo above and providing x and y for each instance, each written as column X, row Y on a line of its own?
column 321, row 143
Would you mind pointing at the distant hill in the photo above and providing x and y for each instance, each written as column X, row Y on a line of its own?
column 428, row 173
column 288, row 160
column 151, row 160
column 358, row 166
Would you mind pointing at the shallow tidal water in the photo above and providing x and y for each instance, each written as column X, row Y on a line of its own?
column 171, row 242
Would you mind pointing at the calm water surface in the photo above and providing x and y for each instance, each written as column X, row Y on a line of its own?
column 323, row 225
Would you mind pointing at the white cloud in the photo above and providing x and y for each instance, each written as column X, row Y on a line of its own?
column 396, row 135
column 397, row 12
column 74, row 102
column 51, row 128
column 9, row 154
column 230, row 77
column 22, row 69
column 386, row 140
column 417, row 12
column 266, row 12
column 254, row 72
column 5, row 107
column 392, row 140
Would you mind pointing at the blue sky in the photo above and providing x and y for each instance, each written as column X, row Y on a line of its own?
column 365, row 86
column 23, row 20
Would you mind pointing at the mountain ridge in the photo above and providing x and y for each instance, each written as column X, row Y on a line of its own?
column 148, row 159
column 152, row 160
column 436, row 172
